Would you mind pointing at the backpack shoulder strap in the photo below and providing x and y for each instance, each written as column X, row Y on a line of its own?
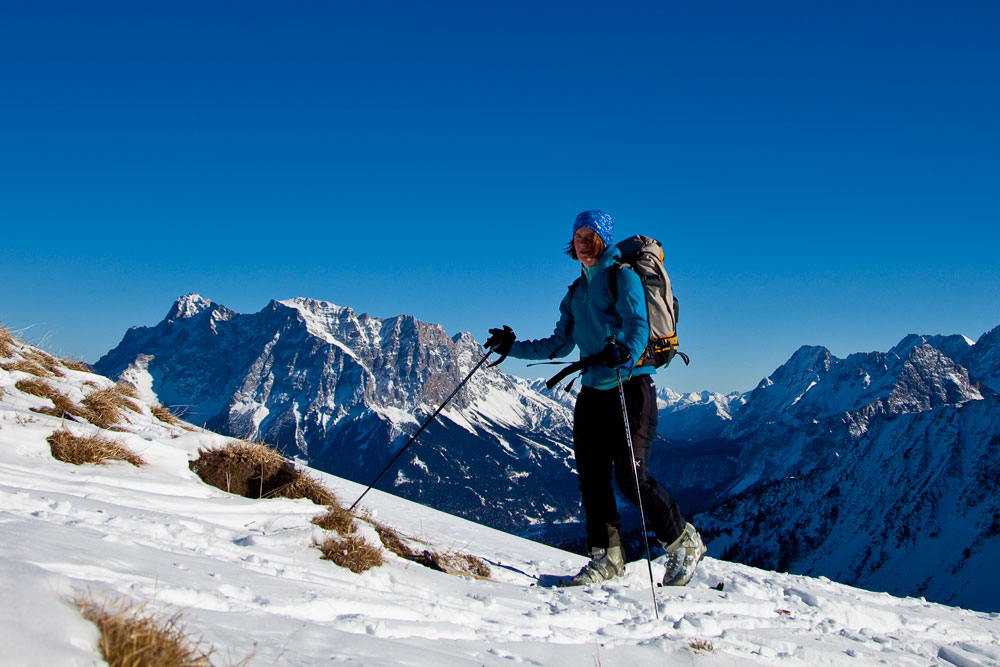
column 615, row 277
column 569, row 295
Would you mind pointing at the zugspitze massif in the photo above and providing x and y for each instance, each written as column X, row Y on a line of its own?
column 878, row 470
column 343, row 391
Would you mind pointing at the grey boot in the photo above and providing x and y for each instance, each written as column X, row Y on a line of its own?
column 682, row 557
column 604, row 564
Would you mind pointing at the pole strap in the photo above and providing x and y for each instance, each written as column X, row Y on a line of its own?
column 572, row 368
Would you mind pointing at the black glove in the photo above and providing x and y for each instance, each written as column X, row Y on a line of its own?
column 500, row 341
column 616, row 355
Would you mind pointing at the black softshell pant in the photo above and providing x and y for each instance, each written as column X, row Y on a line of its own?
column 602, row 453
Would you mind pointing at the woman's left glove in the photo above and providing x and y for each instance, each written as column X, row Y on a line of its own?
column 616, row 355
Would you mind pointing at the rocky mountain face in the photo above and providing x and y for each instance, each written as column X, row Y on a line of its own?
column 344, row 391
column 878, row 470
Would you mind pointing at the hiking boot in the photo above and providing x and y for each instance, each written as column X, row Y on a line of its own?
column 682, row 557
column 604, row 564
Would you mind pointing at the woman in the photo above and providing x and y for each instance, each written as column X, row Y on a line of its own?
column 609, row 323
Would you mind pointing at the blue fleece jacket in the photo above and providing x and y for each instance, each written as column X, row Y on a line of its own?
column 589, row 315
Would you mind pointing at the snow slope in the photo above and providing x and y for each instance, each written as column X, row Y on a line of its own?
column 248, row 581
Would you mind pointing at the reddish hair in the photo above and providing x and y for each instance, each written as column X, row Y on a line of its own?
column 599, row 247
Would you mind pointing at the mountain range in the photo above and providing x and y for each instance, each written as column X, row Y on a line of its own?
column 877, row 469
column 344, row 392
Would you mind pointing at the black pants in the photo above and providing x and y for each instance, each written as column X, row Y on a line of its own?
column 602, row 453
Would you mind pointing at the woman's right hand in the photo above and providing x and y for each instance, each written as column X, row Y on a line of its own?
column 500, row 341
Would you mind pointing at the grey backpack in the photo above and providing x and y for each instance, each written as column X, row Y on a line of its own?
column 644, row 255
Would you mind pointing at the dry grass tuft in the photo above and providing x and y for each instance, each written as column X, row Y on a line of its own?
column 703, row 645
column 304, row 486
column 80, row 450
column 337, row 519
column 458, row 562
column 164, row 415
column 352, row 552
column 26, row 366
column 105, row 405
column 37, row 387
column 392, row 540
column 466, row 563
column 7, row 342
column 62, row 406
column 127, row 389
column 132, row 636
column 52, row 365
column 257, row 471
column 35, row 362
column 75, row 365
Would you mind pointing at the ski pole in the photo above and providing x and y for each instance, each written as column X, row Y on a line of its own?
column 421, row 429
column 638, row 492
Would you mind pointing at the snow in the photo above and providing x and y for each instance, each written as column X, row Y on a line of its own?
column 318, row 316
column 799, row 397
column 246, row 579
column 190, row 305
column 396, row 416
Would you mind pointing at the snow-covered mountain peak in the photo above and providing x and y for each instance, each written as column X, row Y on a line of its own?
column 317, row 308
column 955, row 346
column 188, row 306
column 808, row 361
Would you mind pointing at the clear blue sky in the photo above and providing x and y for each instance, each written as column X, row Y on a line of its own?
column 821, row 173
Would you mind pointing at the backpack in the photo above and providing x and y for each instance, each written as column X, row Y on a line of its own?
column 644, row 255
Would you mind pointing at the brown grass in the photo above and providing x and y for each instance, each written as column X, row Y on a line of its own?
column 164, row 415
column 26, row 366
column 7, row 342
column 102, row 407
column 37, row 387
column 80, row 450
column 337, row 519
column 466, row 563
column 352, row 552
column 45, row 360
column 703, row 645
column 257, row 471
column 75, row 365
column 132, row 636
column 393, row 541
column 62, row 405
column 105, row 405
column 127, row 389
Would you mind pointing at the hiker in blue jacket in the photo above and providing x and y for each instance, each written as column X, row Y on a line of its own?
column 594, row 319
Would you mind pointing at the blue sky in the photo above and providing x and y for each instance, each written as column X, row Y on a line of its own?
column 821, row 173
